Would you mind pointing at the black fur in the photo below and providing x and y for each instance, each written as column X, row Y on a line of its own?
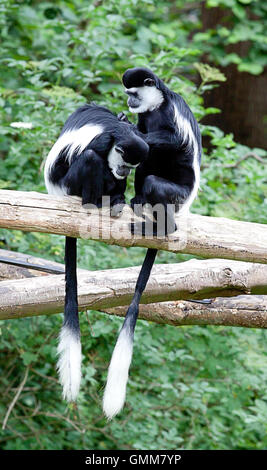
column 167, row 176
column 86, row 173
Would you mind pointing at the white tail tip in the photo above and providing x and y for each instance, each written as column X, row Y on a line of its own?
column 69, row 363
column 115, row 391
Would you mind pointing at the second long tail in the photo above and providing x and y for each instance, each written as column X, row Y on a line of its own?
column 115, row 391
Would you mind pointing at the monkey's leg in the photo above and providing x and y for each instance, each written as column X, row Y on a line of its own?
column 163, row 195
column 164, row 225
column 139, row 200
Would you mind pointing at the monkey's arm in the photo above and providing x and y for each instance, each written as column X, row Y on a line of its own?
column 140, row 173
column 165, row 139
column 117, row 198
column 123, row 118
column 139, row 200
column 85, row 177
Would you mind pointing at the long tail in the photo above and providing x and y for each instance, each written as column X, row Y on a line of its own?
column 69, row 347
column 115, row 391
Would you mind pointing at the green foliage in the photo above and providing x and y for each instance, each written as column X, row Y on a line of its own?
column 243, row 21
column 190, row 387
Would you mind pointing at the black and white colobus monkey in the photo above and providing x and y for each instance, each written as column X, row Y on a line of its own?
column 169, row 176
column 92, row 157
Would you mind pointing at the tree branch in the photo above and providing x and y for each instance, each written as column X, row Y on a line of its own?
column 198, row 235
column 100, row 290
column 249, row 311
column 246, row 310
column 245, row 157
column 16, row 397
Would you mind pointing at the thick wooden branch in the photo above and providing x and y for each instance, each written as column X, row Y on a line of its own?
column 249, row 311
column 199, row 235
column 100, row 290
column 245, row 310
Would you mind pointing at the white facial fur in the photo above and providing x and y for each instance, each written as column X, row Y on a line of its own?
column 151, row 98
column 115, row 160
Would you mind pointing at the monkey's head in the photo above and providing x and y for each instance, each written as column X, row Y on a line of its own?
column 144, row 89
column 126, row 154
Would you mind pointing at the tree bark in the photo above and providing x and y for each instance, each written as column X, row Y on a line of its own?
column 243, row 310
column 242, row 98
column 198, row 235
column 248, row 311
column 100, row 290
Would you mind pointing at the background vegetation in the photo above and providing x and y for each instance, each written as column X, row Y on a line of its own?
column 190, row 387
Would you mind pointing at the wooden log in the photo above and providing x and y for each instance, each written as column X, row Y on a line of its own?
column 8, row 271
column 248, row 311
column 194, row 279
column 243, row 310
column 207, row 237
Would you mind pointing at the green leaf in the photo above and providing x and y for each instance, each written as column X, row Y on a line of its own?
column 28, row 357
column 209, row 74
column 255, row 69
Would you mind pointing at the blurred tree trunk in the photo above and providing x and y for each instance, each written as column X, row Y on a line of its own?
column 242, row 98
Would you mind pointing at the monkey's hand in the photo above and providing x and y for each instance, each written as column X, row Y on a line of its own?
column 137, row 204
column 117, row 203
column 123, row 118
column 116, row 210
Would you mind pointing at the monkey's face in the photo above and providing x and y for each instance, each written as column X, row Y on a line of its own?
column 126, row 155
column 142, row 87
column 118, row 166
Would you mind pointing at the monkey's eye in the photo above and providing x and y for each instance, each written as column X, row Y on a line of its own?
column 149, row 82
column 119, row 150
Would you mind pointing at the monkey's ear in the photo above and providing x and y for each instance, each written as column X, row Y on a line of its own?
column 149, row 82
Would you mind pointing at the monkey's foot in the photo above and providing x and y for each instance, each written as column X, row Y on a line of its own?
column 92, row 202
column 149, row 229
